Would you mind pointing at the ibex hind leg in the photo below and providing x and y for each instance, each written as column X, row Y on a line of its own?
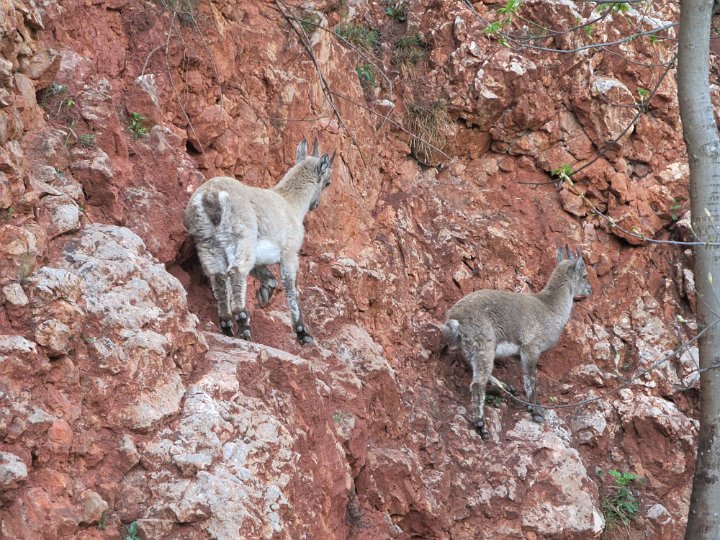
column 238, row 280
column 214, row 265
column 480, row 354
column 268, row 283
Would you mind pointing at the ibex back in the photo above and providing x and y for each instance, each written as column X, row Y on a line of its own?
column 239, row 230
column 489, row 323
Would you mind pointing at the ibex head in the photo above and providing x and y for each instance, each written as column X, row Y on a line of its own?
column 323, row 168
column 575, row 270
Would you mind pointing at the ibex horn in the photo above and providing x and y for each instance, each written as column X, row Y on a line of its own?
column 315, row 148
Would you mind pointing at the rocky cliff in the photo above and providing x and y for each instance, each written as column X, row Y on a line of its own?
column 122, row 410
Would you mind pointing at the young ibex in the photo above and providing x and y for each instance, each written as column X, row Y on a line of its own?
column 489, row 323
column 239, row 230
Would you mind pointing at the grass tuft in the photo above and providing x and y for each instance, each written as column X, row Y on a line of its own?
column 429, row 124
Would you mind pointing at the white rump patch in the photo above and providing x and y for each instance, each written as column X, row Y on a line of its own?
column 267, row 252
column 505, row 348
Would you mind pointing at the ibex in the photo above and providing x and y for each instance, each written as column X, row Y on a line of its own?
column 490, row 323
column 239, row 230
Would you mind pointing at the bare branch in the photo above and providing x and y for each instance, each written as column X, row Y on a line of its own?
column 300, row 32
column 655, row 365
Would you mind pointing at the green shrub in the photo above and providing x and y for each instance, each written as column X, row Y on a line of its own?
column 366, row 74
column 409, row 51
column 358, row 35
column 397, row 11
column 138, row 126
column 620, row 506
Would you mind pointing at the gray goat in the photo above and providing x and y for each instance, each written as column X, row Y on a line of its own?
column 239, row 230
column 490, row 323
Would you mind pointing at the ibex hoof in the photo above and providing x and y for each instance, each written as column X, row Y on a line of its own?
column 307, row 339
column 226, row 327
column 302, row 336
column 243, row 320
column 538, row 416
column 512, row 389
column 479, row 426
column 264, row 293
column 245, row 334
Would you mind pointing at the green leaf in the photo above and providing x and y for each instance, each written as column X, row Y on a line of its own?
column 563, row 170
column 493, row 28
column 511, row 7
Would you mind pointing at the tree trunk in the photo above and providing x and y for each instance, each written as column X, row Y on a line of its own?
column 703, row 148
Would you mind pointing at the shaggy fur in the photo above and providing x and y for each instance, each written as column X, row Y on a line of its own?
column 239, row 230
column 489, row 323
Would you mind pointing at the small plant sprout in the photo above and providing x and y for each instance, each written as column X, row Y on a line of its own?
column 360, row 36
column 674, row 208
column 618, row 7
column 510, row 8
column 87, row 140
column 553, row 400
column 494, row 27
column 397, row 11
column 131, row 532
column 366, row 74
column 409, row 50
column 309, row 21
column 563, row 171
column 137, row 125
column 493, row 400
column 621, row 505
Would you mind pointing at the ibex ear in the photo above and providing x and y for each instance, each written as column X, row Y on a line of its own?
column 579, row 264
column 323, row 165
column 559, row 254
column 301, row 152
column 569, row 253
column 315, row 148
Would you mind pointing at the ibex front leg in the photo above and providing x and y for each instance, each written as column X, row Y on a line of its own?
column 480, row 353
column 288, row 274
column 528, row 360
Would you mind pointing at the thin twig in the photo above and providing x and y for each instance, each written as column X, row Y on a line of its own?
column 209, row 53
column 177, row 96
column 321, row 76
column 148, row 59
column 594, row 45
column 630, row 381
column 358, row 50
